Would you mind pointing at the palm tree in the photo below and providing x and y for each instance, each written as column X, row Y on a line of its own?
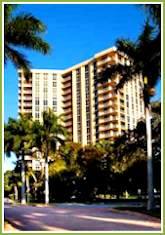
column 12, row 183
column 17, row 139
column 46, row 135
column 22, row 30
column 154, row 12
column 145, row 61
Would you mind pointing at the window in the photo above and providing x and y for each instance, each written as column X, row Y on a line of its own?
column 88, row 124
column 45, row 76
column 55, row 108
column 54, row 76
column 37, row 76
column 77, row 72
column 37, row 115
column 45, row 89
column 54, row 101
column 37, row 102
column 45, row 102
column 122, row 117
column 37, row 108
column 78, row 119
column 54, row 84
column 121, row 109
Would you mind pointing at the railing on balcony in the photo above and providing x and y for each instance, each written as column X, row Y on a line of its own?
column 66, row 86
column 69, row 91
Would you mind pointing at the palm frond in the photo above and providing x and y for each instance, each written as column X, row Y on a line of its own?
column 127, row 47
column 26, row 22
column 18, row 59
column 125, row 72
column 154, row 12
column 8, row 8
column 146, row 35
column 23, row 31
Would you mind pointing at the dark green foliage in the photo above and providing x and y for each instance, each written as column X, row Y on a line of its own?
column 12, row 180
column 47, row 134
column 17, row 135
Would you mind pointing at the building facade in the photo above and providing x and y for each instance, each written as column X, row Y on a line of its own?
column 92, row 111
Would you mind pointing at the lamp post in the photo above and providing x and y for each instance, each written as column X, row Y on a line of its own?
column 23, row 189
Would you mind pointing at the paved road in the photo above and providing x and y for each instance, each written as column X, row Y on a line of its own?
column 78, row 217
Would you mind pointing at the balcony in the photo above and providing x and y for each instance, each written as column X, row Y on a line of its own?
column 108, row 104
column 107, row 84
column 108, row 112
column 27, row 92
column 68, row 124
column 103, row 136
column 27, row 107
column 66, row 99
column 67, row 92
column 27, row 85
column 67, row 117
column 107, row 120
column 68, row 111
column 104, row 91
column 70, row 130
column 107, row 97
column 67, row 105
column 66, row 79
column 67, row 85
column 108, row 128
column 106, row 61
column 27, row 98
column 25, row 111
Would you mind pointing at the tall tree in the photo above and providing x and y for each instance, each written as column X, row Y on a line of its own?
column 46, row 136
column 17, row 139
column 11, row 184
column 144, row 61
column 154, row 12
column 22, row 30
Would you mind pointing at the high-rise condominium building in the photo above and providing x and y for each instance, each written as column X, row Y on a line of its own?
column 92, row 110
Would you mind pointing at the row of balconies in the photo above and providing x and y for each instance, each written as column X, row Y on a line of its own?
column 106, row 61
column 108, row 111
column 67, row 85
column 107, row 84
column 108, row 135
column 67, row 99
column 108, row 127
column 107, row 104
column 66, row 79
column 67, row 105
column 67, row 92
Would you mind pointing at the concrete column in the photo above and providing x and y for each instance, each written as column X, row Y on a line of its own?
column 74, row 106
column 83, row 108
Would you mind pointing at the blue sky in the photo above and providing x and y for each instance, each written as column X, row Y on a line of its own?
column 75, row 32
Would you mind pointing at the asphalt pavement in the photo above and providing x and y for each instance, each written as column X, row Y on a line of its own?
column 77, row 217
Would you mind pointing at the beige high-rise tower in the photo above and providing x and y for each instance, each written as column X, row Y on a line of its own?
column 92, row 110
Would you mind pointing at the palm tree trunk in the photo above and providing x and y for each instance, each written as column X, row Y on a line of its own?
column 46, row 181
column 150, row 187
column 15, row 193
column 27, row 188
column 23, row 198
